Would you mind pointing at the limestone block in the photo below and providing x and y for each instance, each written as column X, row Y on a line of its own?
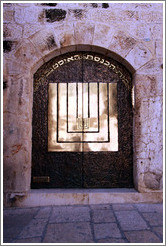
column 157, row 31
column 14, row 67
column 30, row 29
column 159, row 48
column 152, row 180
column 142, row 117
column 151, row 16
column 44, row 41
column 141, row 146
column 156, row 151
column 26, row 15
column 148, row 85
column 12, row 32
column 138, row 56
column 27, row 54
column 83, row 32
column 100, row 15
column 8, row 15
column 102, row 35
column 17, row 169
column 154, row 66
column 127, row 15
column 155, row 115
column 77, row 14
column 138, row 30
column 122, row 43
column 65, row 34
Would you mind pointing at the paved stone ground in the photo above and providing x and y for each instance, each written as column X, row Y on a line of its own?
column 110, row 223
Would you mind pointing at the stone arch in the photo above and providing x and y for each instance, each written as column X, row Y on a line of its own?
column 33, row 52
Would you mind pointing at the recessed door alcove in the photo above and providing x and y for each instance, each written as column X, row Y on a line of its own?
column 82, row 123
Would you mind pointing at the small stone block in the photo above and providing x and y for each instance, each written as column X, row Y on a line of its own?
column 68, row 233
column 142, row 237
column 106, row 230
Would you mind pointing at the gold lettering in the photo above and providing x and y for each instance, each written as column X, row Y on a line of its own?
column 97, row 59
column 107, row 63
column 112, row 66
column 120, row 74
column 61, row 62
column 77, row 57
column 70, row 59
column 48, row 73
column 55, row 66
column 102, row 61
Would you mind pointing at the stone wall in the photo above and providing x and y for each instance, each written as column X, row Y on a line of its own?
column 128, row 32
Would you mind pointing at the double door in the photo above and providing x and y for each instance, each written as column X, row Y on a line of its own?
column 82, row 126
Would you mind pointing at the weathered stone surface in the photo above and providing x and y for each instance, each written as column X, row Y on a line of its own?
column 122, row 43
column 14, row 220
column 154, row 219
column 123, row 207
column 138, row 56
column 83, row 33
column 77, row 14
column 159, row 48
column 12, row 31
column 111, row 240
column 44, row 41
column 142, row 237
column 152, row 180
column 104, row 230
column 65, row 38
column 131, row 220
column 43, row 213
column 158, row 230
column 8, row 16
column 79, row 232
column 26, row 15
column 30, row 29
column 34, row 229
column 69, row 214
column 148, row 85
column 28, row 240
column 154, row 66
column 100, row 35
column 150, row 207
column 53, row 15
column 151, row 16
column 103, row 216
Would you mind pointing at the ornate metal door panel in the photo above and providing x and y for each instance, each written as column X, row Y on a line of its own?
column 82, row 123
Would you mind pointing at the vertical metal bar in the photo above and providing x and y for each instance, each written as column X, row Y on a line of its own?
column 67, row 103
column 57, row 110
column 98, row 106
column 77, row 100
column 88, row 101
column 108, row 111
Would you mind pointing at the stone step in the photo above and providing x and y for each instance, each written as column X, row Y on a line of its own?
column 47, row 197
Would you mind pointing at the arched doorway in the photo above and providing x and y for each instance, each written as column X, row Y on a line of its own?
column 82, row 123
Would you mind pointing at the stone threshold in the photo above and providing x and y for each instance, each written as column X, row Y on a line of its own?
column 47, row 197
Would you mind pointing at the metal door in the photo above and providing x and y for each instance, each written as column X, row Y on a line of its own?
column 82, row 123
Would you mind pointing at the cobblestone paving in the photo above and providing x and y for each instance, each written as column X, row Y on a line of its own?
column 110, row 223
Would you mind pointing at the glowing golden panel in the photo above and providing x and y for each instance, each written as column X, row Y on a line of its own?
column 82, row 117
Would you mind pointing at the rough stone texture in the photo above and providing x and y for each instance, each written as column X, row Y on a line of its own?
column 141, row 236
column 104, row 230
column 103, row 216
column 131, row 220
column 68, row 233
column 38, row 225
column 67, row 214
column 132, row 30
